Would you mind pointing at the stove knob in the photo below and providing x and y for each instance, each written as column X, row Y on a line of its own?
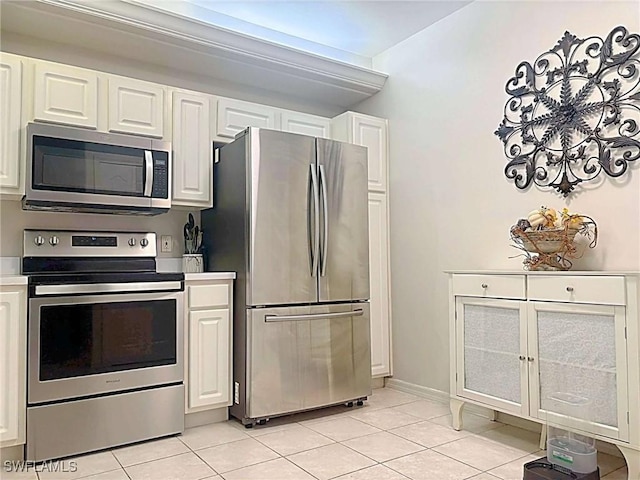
column 39, row 240
column 144, row 242
column 132, row 242
column 53, row 241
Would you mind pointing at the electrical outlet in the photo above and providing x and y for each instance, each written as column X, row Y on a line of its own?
column 165, row 243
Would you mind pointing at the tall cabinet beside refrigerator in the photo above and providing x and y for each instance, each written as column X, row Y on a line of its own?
column 290, row 217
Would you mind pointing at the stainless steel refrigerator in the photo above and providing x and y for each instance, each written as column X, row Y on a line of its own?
column 290, row 216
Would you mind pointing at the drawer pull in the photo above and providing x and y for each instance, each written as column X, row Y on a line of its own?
column 530, row 359
column 522, row 357
column 485, row 286
column 569, row 289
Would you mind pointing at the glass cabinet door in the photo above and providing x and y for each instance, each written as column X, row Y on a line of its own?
column 491, row 339
column 579, row 351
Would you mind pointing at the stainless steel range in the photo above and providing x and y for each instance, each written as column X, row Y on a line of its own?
column 105, row 336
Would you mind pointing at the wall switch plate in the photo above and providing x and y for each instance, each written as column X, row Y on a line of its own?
column 165, row 243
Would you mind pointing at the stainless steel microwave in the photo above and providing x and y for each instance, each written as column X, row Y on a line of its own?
column 76, row 170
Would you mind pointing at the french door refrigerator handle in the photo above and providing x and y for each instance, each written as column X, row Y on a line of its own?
column 313, row 316
column 325, row 217
column 314, row 243
column 148, row 178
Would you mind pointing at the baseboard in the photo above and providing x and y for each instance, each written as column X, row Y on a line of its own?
column 378, row 382
column 443, row 397
column 13, row 454
column 206, row 417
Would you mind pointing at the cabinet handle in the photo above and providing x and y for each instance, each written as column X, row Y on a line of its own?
column 522, row 357
column 569, row 289
column 484, row 285
column 530, row 359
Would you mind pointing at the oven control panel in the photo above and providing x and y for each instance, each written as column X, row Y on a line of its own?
column 56, row 243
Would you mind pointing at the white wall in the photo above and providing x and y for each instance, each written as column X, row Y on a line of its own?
column 451, row 205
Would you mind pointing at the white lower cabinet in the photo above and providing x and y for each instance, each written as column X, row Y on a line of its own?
column 13, row 355
column 379, row 285
column 208, row 345
column 565, row 353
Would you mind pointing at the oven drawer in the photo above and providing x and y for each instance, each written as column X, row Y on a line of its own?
column 201, row 296
column 608, row 290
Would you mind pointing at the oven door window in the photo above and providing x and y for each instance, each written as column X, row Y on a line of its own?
column 88, row 339
column 74, row 166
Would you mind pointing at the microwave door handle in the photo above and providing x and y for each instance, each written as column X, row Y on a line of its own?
column 148, row 166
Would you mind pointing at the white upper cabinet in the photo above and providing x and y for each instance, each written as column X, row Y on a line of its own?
column 135, row 107
column 65, row 94
column 11, row 108
column 371, row 132
column 192, row 150
column 306, row 124
column 233, row 116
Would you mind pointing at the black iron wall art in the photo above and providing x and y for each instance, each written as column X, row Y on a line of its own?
column 574, row 113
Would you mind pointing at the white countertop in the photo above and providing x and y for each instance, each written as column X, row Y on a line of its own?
column 210, row 276
column 541, row 272
column 9, row 280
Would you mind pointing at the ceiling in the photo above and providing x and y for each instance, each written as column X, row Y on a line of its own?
column 347, row 30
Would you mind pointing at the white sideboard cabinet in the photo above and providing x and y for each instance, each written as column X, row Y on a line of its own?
column 520, row 340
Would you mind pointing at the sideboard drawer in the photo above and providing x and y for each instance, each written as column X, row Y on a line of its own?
column 500, row 286
column 208, row 296
column 583, row 289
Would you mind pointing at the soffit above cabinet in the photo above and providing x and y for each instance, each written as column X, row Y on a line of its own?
column 141, row 33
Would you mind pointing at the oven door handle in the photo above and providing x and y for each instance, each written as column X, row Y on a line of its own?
column 107, row 288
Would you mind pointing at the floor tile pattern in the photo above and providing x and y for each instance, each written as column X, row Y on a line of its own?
column 394, row 436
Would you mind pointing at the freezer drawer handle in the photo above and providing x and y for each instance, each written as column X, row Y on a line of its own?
column 313, row 316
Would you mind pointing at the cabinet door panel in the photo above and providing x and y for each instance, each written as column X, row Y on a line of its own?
column 136, row 107
column 379, row 286
column 491, row 339
column 209, row 358
column 12, row 373
column 65, row 94
column 192, row 155
column 234, row 116
column 305, row 124
column 372, row 133
column 579, row 351
column 10, row 106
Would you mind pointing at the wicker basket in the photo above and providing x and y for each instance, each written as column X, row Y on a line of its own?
column 547, row 241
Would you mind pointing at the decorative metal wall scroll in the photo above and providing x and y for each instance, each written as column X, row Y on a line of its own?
column 574, row 113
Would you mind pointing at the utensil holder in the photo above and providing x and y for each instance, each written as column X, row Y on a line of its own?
column 192, row 263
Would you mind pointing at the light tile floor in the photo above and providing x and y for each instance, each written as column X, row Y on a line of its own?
column 394, row 436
